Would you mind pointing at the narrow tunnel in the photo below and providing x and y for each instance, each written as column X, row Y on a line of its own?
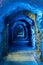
column 19, row 32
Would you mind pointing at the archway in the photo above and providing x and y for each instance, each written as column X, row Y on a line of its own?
column 20, row 31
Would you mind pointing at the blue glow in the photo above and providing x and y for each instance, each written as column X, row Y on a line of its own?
column 11, row 18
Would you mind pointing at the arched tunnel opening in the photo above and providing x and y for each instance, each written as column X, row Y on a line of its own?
column 20, row 28
column 19, row 32
column 19, row 36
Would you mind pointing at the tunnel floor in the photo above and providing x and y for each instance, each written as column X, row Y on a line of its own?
column 22, row 57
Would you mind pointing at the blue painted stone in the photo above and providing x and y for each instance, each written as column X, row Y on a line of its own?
column 41, row 49
column 20, row 63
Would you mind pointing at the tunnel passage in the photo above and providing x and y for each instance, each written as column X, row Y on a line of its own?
column 20, row 31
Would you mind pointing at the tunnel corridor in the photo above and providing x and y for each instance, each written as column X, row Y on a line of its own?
column 21, row 33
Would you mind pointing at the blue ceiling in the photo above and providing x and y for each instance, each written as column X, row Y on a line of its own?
column 4, row 4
